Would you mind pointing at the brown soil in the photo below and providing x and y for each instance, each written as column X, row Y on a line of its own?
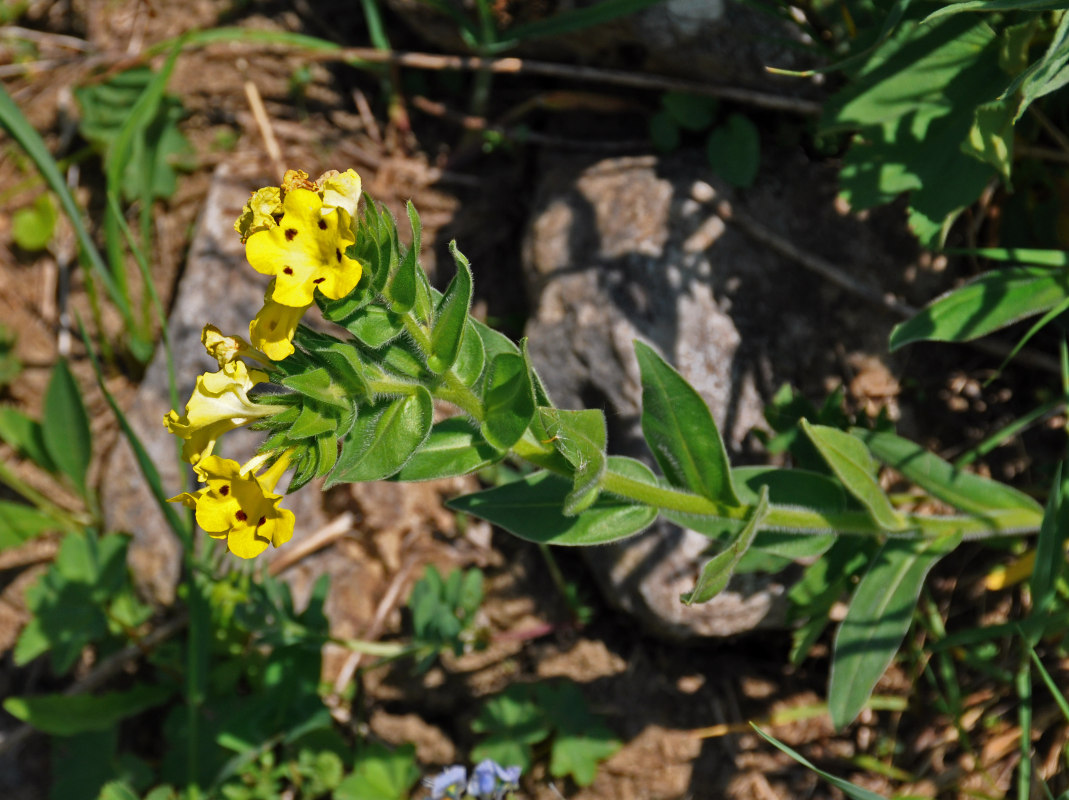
column 680, row 709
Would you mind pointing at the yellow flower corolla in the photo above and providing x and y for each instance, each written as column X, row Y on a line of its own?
column 240, row 506
column 219, row 403
column 274, row 326
column 340, row 190
column 226, row 349
column 305, row 252
column 260, row 213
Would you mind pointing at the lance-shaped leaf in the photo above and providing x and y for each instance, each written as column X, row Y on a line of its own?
column 963, row 490
column 472, row 358
column 451, row 316
column 374, row 325
column 65, row 430
column 312, row 421
column 65, row 715
column 990, row 301
column 792, row 487
column 317, row 385
column 19, row 523
column 580, row 437
column 877, row 620
column 453, row 448
column 508, row 401
column 405, row 281
column 718, row 570
column 681, row 432
column 383, row 438
column 1050, row 547
column 531, row 508
column 847, row 788
column 854, row 466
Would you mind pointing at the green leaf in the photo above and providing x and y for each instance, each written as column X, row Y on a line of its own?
column 1048, row 74
column 453, row 448
column 990, row 301
column 32, row 227
column 20, row 523
column 64, row 715
column 402, row 287
column 991, row 6
column 991, row 137
column 508, row 401
column 374, row 325
column 681, row 432
column 1022, row 255
column 965, row 491
column 384, row 438
column 380, row 774
column 1050, row 548
column 718, row 570
column 876, row 622
column 691, row 111
column 734, row 151
column 311, row 422
column 581, row 437
column 532, row 508
column 847, row 788
column 854, row 466
column 512, row 722
column 65, row 428
column 580, row 739
column 25, row 435
column 116, row 790
column 664, row 132
column 318, row 385
column 472, row 358
column 451, row 316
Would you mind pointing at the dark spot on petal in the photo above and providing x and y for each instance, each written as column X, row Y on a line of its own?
column 322, row 224
column 272, row 324
column 261, row 522
column 290, row 233
column 337, row 254
column 319, row 280
column 224, row 490
column 287, row 270
column 241, row 515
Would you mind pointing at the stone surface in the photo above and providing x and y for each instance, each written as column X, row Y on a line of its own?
column 624, row 252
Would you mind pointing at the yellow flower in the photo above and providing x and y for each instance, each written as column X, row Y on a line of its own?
column 219, row 403
column 240, row 506
column 305, row 252
column 226, row 349
column 340, row 190
column 273, row 328
column 260, row 213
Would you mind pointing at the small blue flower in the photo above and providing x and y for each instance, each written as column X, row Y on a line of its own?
column 509, row 777
column 449, row 785
column 483, row 783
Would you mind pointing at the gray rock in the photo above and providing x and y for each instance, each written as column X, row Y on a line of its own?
column 624, row 252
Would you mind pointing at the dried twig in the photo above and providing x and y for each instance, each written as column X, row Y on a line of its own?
column 256, row 103
column 326, row 535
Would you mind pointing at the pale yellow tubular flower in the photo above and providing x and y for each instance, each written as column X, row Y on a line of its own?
column 340, row 190
column 274, row 326
column 260, row 213
column 305, row 252
column 219, row 403
column 241, row 507
column 226, row 349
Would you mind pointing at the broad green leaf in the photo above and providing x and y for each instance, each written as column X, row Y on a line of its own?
column 451, row 316
column 402, row 287
column 472, row 358
column 581, row 740
column 374, row 325
column 508, row 401
column 65, row 427
column 311, row 422
column 854, row 466
column 680, row 431
column 990, row 301
column 965, row 491
column 32, row 227
column 380, row 774
column 20, row 523
column 453, row 448
column 65, row 715
column 382, row 440
column 532, row 508
column 581, row 437
column 494, row 342
column 734, row 151
column 25, row 435
column 847, row 788
column 877, row 619
column 791, row 487
column 318, row 385
column 718, row 570
column 1050, row 548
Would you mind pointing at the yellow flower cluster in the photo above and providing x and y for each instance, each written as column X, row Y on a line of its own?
column 298, row 233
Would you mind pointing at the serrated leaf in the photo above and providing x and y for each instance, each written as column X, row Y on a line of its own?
column 532, row 508
column 877, row 619
column 734, row 151
column 380, row 774
column 718, row 570
column 382, row 440
column 855, row 467
column 65, row 715
column 965, row 491
column 453, row 448
column 451, row 315
column 65, row 427
column 990, row 301
column 680, row 431
column 508, row 401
